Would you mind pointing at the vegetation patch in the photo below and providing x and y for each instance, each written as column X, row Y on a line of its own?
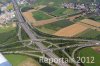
column 57, row 25
column 59, row 12
column 6, row 34
column 26, row 8
column 92, row 34
column 96, row 18
column 15, row 60
column 48, row 9
column 64, row 11
column 89, row 52
column 39, row 15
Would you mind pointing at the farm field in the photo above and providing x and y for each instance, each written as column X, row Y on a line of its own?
column 6, row 33
column 39, row 15
column 57, row 2
column 49, row 9
column 72, row 30
column 90, row 33
column 90, row 22
column 58, row 11
column 63, row 11
column 78, row 28
column 89, row 52
column 21, row 60
column 46, row 30
column 16, row 59
column 28, row 15
column 46, row 2
column 55, row 26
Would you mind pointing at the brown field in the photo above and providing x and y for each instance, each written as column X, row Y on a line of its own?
column 29, row 62
column 75, row 29
column 91, row 22
column 72, row 30
column 43, row 22
column 96, row 49
column 73, row 17
column 28, row 15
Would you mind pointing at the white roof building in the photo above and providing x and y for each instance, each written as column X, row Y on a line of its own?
column 3, row 61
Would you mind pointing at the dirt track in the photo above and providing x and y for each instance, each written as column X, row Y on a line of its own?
column 43, row 22
column 73, row 17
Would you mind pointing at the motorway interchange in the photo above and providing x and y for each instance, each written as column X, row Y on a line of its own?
column 35, row 46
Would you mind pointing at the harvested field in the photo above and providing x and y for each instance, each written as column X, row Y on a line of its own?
column 29, row 62
column 28, row 15
column 58, row 25
column 72, row 30
column 39, row 15
column 43, row 22
column 78, row 28
column 73, row 17
column 97, row 49
column 91, row 22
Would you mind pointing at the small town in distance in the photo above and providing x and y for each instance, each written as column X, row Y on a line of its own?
column 49, row 32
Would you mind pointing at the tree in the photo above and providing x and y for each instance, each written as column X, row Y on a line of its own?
column 10, row 7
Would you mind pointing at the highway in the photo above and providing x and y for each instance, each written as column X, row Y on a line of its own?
column 45, row 50
column 76, row 45
column 83, row 46
column 29, row 32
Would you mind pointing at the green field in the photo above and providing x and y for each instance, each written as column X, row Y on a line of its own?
column 46, row 30
column 89, row 52
column 93, row 34
column 59, row 12
column 55, row 26
column 63, row 11
column 6, row 34
column 15, row 60
column 96, row 18
column 59, row 2
column 39, row 15
column 46, row 2
column 48, row 9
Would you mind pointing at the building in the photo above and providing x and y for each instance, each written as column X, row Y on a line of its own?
column 21, row 2
column 3, row 61
column 6, row 17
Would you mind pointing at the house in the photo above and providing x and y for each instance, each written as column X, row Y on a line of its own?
column 21, row 2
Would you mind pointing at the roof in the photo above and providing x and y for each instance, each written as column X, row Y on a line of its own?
column 3, row 61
